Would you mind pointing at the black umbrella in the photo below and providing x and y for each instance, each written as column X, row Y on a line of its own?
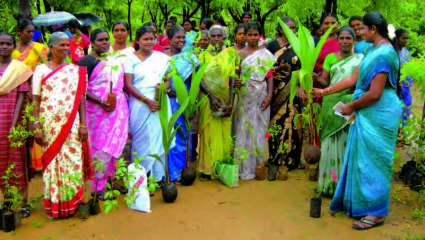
column 87, row 19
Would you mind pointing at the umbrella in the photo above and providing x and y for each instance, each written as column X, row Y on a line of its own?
column 53, row 18
column 87, row 19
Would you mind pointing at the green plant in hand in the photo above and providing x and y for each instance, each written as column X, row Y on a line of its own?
column 19, row 134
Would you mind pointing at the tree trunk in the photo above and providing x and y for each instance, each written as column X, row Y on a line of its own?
column 129, row 2
column 37, row 4
column 47, row 6
column 329, row 9
column 24, row 9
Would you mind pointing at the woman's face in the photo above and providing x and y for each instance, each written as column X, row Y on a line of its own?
column 187, row 26
column 369, row 33
column 346, row 41
column 328, row 22
column 27, row 34
column 178, row 40
column 101, row 43
column 403, row 40
column 120, row 33
column 240, row 37
column 60, row 49
column 6, row 45
column 146, row 42
column 252, row 37
column 216, row 37
column 204, row 42
column 357, row 25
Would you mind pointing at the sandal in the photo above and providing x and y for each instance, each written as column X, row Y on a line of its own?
column 25, row 211
column 365, row 224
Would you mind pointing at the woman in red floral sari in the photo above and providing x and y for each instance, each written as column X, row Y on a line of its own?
column 59, row 91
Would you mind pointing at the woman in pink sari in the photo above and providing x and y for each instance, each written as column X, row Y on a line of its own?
column 107, row 109
column 59, row 102
column 331, row 45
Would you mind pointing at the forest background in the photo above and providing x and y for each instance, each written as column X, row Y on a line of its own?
column 407, row 14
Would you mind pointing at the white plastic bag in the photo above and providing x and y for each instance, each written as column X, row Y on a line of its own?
column 139, row 185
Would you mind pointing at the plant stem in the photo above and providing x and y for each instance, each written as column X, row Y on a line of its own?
column 189, row 128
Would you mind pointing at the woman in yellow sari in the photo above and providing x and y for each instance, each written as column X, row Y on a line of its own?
column 31, row 54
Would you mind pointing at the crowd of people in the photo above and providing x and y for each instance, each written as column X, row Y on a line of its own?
column 92, row 96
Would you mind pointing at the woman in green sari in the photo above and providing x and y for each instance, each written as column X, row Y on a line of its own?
column 336, row 67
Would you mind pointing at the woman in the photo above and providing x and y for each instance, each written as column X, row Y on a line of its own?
column 107, row 109
column 240, row 37
column 59, row 103
column 30, row 53
column 363, row 188
column 334, row 131
column 162, row 42
column 144, row 70
column 190, row 35
column 215, row 141
column 253, row 111
column 331, row 45
column 401, row 40
column 79, row 43
column 120, row 33
column 281, row 112
column 14, row 86
column 181, row 64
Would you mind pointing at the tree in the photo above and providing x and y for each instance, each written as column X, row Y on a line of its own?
column 24, row 9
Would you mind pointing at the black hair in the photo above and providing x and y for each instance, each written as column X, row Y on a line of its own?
column 10, row 35
column 354, row 18
column 173, row 19
column 167, row 22
column 193, row 23
column 399, row 32
column 208, row 22
column 246, row 13
column 329, row 15
column 23, row 23
column 95, row 32
column 376, row 19
column 74, row 24
column 120, row 23
column 173, row 31
column 239, row 26
column 186, row 20
column 139, row 33
column 253, row 25
column 346, row 29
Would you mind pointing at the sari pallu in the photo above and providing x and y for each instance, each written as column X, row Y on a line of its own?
column 63, row 165
column 364, row 185
column 108, row 131
column 181, row 64
column 334, row 130
column 251, row 121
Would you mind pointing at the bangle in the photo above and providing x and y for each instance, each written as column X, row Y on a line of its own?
column 83, row 126
column 142, row 98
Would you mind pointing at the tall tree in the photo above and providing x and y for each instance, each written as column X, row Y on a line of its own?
column 24, row 10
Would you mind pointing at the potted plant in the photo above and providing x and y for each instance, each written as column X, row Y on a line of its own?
column 304, row 47
column 12, row 201
column 169, row 189
column 189, row 172
column 316, row 204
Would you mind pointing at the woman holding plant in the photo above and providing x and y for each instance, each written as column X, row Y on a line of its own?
column 14, row 86
column 363, row 188
column 144, row 70
column 182, row 65
column 107, row 109
column 334, row 131
column 59, row 104
column 253, row 111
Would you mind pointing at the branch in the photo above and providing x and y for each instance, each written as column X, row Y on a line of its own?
column 196, row 9
column 274, row 8
column 234, row 15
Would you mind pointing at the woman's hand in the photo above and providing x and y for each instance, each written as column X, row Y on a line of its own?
column 347, row 109
column 301, row 94
column 83, row 133
column 153, row 106
column 266, row 102
column 237, row 83
column 317, row 92
column 38, row 133
column 107, row 107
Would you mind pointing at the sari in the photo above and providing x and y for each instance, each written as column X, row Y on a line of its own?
column 361, row 46
column 181, row 64
column 251, row 121
column 215, row 129
column 33, row 55
column 331, row 46
column 108, row 131
column 8, row 102
column 334, row 131
column 363, row 187
column 61, row 91
column 77, row 45
column 145, row 127
column 281, row 112
column 406, row 84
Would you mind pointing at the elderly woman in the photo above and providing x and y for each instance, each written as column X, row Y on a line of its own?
column 59, row 102
column 337, row 67
column 363, row 188
column 107, row 109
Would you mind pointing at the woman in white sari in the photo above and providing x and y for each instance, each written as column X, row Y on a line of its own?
column 253, row 111
column 144, row 71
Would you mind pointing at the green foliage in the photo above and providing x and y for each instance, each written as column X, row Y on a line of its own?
column 415, row 69
column 11, row 192
column 19, row 134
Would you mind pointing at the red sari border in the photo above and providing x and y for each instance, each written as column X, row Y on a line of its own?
column 64, row 209
column 56, row 145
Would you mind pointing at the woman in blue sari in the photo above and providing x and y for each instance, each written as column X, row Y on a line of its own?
column 181, row 64
column 144, row 70
column 363, row 189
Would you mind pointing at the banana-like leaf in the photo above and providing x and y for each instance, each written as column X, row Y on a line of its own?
column 163, row 115
column 195, row 86
column 175, row 116
column 322, row 42
column 292, row 38
column 294, row 84
column 179, row 85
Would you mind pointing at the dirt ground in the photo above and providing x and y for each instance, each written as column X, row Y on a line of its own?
column 209, row 210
